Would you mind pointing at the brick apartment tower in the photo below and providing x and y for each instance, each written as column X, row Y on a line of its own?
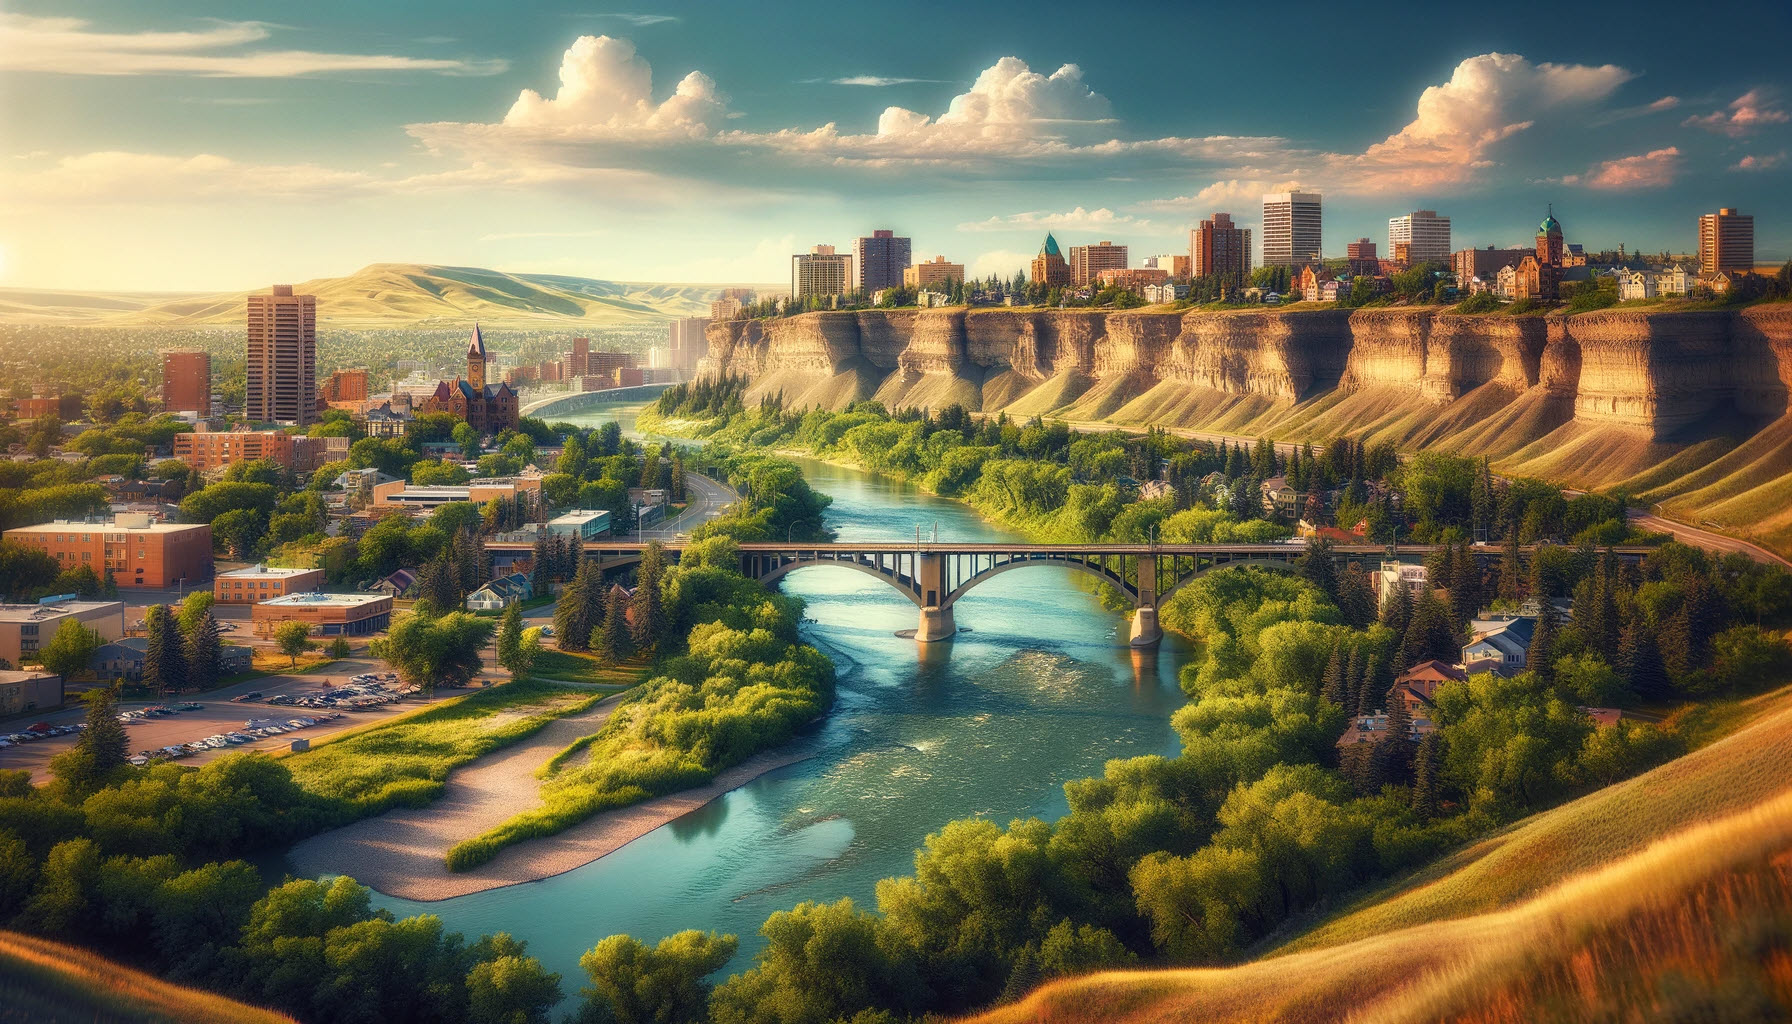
column 187, row 382
column 282, row 358
column 1726, row 242
column 579, row 363
column 1219, row 247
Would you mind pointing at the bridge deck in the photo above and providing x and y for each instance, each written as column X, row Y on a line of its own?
column 909, row 547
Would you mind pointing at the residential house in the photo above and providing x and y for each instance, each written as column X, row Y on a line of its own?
column 1678, row 279
column 500, row 593
column 1635, row 284
column 1501, row 649
column 398, row 584
column 1505, row 284
column 1279, row 495
column 1416, row 579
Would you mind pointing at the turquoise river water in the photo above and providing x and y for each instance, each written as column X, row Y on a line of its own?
column 1042, row 690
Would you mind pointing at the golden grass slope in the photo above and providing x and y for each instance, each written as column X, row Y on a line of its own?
column 1582, row 912
column 47, row 982
column 388, row 294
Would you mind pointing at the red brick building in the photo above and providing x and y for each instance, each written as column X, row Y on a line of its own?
column 140, row 552
column 207, row 450
column 187, row 382
column 487, row 408
column 346, row 386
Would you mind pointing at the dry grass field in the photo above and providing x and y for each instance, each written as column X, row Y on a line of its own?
column 46, row 982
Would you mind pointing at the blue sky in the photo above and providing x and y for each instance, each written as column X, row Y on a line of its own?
column 227, row 145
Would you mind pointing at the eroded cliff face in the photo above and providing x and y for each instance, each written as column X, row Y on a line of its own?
column 1669, row 375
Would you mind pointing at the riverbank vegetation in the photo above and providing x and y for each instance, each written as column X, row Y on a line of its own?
column 743, row 682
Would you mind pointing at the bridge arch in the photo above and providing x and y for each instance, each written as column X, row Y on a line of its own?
column 1278, row 564
column 896, row 583
column 1107, row 576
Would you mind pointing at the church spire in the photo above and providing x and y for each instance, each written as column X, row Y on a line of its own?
column 476, row 358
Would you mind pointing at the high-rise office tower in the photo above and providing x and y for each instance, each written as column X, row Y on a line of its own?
column 1088, row 261
column 1218, row 246
column 187, row 382
column 1291, row 228
column 281, row 384
column 1726, row 241
column 1424, row 233
column 821, row 271
column 880, row 261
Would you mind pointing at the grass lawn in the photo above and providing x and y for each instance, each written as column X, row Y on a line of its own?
column 405, row 761
column 573, row 667
column 50, row 982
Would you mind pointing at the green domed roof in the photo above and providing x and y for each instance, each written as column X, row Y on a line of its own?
column 1550, row 225
column 1050, row 248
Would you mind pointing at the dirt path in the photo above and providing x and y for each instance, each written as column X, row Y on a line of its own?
column 400, row 853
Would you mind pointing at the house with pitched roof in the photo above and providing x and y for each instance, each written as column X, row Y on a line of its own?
column 487, row 408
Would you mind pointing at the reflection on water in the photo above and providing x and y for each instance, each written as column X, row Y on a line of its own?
column 1043, row 689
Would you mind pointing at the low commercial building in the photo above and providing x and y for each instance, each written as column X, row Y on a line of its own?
column 206, row 450
column 140, row 551
column 21, row 692
column 259, row 582
column 934, row 273
column 326, row 614
column 402, row 494
column 27, row 628
column 580, row 524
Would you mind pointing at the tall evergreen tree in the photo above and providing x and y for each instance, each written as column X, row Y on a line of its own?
column 678, row 485
column 102, row 748
column 572, row 630
column 1356, row 597
column 1465, row 585
column 1332, row 685
column 164, row 659
column 205, row 645
column 1319, row 569
column 1540, row 657
column 439, row 583
column 1641, row 660
column 594, row 593
column 1481, row 502
column 649, row 624
column 1353, row 681
column 512, row 653
column 610, row 641
column 1394, row 751
column 1396, row 608
column 1429, row 634
column 541, row 574
column 1427, row 765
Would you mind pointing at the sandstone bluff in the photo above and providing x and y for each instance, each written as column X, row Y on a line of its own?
column 1689, row 408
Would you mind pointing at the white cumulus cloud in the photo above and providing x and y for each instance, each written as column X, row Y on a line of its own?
column 1078, row 219
column 1745, row 115
column 1654, row 169
column 605, row 84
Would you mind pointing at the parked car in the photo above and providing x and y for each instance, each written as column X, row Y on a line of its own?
column 241, row 698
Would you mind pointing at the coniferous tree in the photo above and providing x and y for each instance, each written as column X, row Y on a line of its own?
column 1465, row 585
column 102, row 749
column 1540, row 657
column 1356, row 598
column 439, row 584
column 1333, row 686
column 1429, row 634
column 1481, row 502
column 164, row 659
column 594, row 593
column 611, row 639
column 511, row 652
column 1353, row 681
column 650, row 618
column 572, row 631
column 205, row 645
column 541, row 574
column 1427, row 764
column 678, row 485
column 1641, row 660
column 1395, row 749
column 1318, row 569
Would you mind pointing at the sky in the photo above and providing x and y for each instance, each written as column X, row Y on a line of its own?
column 192, row 145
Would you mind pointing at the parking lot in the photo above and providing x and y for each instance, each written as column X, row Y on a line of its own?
column 282, row 698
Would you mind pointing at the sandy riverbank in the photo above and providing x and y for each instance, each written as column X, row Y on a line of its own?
column 400, row 853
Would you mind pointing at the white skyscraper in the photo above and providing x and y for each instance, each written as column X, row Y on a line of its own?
column 1291, row 228
column 1425, row 235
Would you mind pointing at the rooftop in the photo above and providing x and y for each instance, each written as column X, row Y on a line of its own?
column 578, row 515
column 323, row 600
column 40, row 612
column 262, row 570
column 131, row 525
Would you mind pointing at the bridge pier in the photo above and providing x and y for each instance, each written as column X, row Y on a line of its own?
column 1145, row 631
column 936, row 604
column 936, row 624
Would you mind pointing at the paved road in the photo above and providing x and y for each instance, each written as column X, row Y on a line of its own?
column 707, row 499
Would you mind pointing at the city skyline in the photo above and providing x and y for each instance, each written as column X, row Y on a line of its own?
column 657, row 144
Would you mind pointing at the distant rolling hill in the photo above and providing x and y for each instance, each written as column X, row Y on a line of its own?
column 388, row 295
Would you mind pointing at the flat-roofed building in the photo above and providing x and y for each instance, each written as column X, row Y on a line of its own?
column 686, row 343
column 879, row 260
column 1726, row 242
column 1468, row 264
column 206, row 450
column 1218, row 247
column 932, row 273
column 1425, row 235
column 187, row 382
column 281, row 376
column 260, row 582
column 1088, row 261
column 140, row 551
column 326, row 614
column 346, row 386
column 25, row 691
column 1293, row 228
column 402, row 494
column 820, row 272
column 26, row 629
column 580, row 524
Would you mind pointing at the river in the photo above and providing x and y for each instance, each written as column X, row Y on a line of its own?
column 1042, row 690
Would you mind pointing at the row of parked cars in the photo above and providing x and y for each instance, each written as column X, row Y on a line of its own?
column 157, row 711
column 252, row 730
column 38, row 731
column 361, row 693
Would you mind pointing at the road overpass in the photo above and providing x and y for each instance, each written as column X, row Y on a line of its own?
column 935, row 575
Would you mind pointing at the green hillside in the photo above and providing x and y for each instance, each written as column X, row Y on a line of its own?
column 44, row 982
